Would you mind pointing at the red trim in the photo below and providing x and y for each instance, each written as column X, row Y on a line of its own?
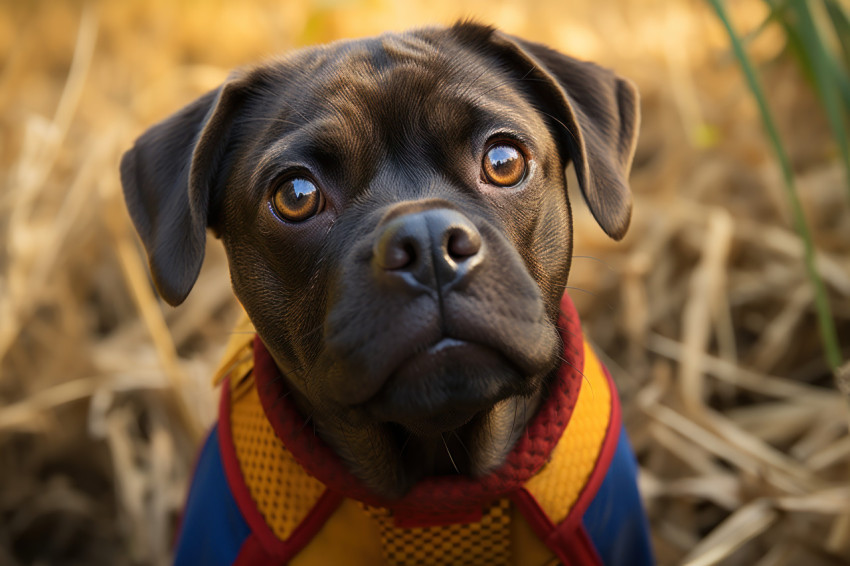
column 252, row 553
column 590, row 555
column 261, row 532
column 313, row 522
column 540, row 523
column 603, row 462
column 577, row 547
column 572, row 547
column 233, row 472
column 534, row 515
column 569, row 540
column 440, row 498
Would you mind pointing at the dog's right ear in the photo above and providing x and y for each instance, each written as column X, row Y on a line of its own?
column 169, row 177
column 594, row 112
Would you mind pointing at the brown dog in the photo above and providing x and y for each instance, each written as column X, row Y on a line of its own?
column 395, row 216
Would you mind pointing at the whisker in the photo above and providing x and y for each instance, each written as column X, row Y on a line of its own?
column 449, row 452
column 591, row 293
column 608, row 305
column 594, row 258
column 236, row 363
column 406, row 442
column 462, row 445
column 584, row 377
column 306, row 422
column 281, row 376
column 569, row 131
column 280, row 398
column 567, row 331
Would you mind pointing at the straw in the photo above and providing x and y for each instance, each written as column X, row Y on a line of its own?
column 705, row 314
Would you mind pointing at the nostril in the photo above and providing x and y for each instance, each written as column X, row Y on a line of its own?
column 397, row 256
column 400, row 256
column 463, row 243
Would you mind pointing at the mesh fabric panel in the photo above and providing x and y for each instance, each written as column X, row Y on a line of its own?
column 484, row 543
column 557, row 486
column 283, row 493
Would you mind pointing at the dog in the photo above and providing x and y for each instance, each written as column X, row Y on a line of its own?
column 414, row 387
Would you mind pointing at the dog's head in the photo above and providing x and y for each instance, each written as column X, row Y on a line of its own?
column 395, row 216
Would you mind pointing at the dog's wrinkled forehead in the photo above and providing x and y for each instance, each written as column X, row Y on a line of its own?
column 394, row 79
column 396, row 97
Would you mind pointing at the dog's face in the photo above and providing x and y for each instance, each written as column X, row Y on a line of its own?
column 395, row 216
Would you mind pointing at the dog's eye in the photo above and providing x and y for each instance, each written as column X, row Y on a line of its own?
column 503, row 165
column 297, row 199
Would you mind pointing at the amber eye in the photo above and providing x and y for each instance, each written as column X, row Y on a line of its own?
column 503, row 165
column 297, row 199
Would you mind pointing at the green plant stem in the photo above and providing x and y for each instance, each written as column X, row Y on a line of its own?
column 829, row 336
column 826, row 72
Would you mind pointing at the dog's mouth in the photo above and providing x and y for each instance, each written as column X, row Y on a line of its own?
column 443, row 387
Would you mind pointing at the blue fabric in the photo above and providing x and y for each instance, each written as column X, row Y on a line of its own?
column 615, row 519
column 212, row 529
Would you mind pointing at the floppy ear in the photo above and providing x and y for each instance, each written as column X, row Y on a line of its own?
column 169, row 176
column 597, row 115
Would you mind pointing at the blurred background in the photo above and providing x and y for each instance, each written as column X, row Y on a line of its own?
column 705, row 313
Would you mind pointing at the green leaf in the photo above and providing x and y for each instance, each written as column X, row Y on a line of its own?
column 829, row 337
column 841, row 23
column 826, row 85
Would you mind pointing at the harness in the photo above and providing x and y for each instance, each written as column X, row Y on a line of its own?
column 289, row 500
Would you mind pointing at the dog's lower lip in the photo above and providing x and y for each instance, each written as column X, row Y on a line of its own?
column 442, row 353
column 445, row 344
column 424, row 395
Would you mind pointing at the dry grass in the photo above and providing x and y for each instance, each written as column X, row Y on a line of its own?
column 704, row 312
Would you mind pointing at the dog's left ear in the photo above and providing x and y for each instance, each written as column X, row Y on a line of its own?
column 169, row 177
column 597, row 116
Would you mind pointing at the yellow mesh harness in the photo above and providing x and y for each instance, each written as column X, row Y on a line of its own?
column 284, row 495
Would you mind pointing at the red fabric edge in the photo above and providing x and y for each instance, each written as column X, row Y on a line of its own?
column 539, row 523
column 251, row 553
column 603, row 462
column 569, row 539
column 578, row 549
column 313, row 522
column 571, row 547
column 260, row 531
column 534, row 515
column 590, row 555
column 255, row 520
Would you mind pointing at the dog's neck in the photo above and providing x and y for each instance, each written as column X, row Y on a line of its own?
column 371, row 464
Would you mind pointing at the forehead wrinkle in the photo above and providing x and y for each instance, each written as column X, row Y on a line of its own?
column 269, row 162
column 405, row 67
column 396, row 94
column 296, row 146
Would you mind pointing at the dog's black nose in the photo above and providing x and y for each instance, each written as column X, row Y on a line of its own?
column 437, row 248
